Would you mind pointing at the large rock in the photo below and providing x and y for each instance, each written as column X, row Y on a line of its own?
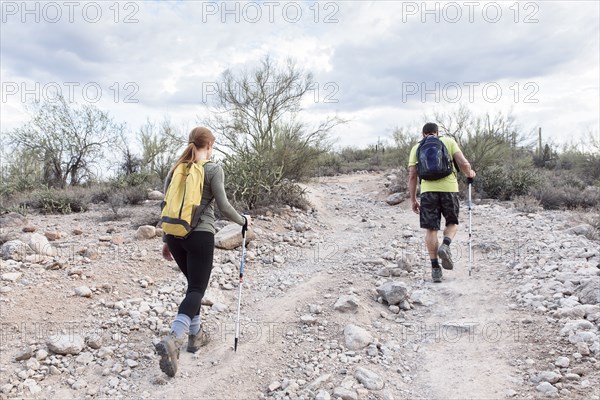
column 369, row 379
column 580, row 230
column 346, row 303
column 230, row 237
column 145, row 232
column 12, row 220
column 393, row 292
column 66, row 344
column 589, row 291
column 15, row 250
column 356, row 338
column 546, row 376
column 40, row 245
column 395, row 198
column 155, row 195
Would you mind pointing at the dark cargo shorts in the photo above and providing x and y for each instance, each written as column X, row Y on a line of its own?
column 436, row 204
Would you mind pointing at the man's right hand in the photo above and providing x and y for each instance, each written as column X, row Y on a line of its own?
column 415, row 206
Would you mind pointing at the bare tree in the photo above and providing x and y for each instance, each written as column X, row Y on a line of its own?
column 253, row 108
column 69, row 139
column 485, row 140
column 160, row 143
column 257, row 116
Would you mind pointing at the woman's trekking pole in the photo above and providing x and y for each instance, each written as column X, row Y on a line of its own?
column 239, row 300
column 470, row 181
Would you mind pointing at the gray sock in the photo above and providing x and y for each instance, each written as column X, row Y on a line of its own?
column 195, row 325
column 181, row 325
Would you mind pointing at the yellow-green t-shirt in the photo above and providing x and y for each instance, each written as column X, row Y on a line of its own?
column 446, row 184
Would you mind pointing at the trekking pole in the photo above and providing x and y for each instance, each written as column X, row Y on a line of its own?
column 239, row 300
column 470, row 181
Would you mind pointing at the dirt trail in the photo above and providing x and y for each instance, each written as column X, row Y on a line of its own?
column 463, row 340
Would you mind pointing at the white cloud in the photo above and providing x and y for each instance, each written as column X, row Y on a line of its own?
column 366, row 58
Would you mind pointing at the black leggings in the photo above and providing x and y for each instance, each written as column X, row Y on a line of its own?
column 194, row 256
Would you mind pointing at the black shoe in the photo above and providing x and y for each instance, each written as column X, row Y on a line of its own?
column 436, row 274
column 446, row 256
column 168, row 350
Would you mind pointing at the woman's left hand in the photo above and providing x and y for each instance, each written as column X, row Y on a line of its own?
column 166, row 253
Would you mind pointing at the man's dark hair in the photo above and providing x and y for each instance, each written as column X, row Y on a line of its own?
column 430, row 128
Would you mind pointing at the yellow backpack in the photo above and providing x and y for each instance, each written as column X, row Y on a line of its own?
column 180, row 208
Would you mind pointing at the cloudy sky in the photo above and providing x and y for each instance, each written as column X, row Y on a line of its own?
column 379, row 64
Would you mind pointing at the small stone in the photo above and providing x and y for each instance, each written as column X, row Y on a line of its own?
column 323, row 395
column 547, row 389
column 11, row 276
column 77, row 231
column 29, row 229
column 315, row 309
column 369, row 379
column 79, row 384
column 274, row 386
column 393, row 292
column 41, row 354
column 131, row 363
column 345, row 394
column 308, row 319
column 24, row 354
column 562, row 362
column 346, row 303
column 83, row 291
column 52, row 235
column 583, row 349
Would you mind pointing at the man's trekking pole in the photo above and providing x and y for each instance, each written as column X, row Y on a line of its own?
column 239, row 302
column 470, row 181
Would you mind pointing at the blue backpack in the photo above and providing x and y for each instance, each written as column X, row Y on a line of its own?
column 433, row 160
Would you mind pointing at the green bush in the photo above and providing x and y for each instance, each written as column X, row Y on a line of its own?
column 554, row 197
column 505, row 182
column 252, row 182
column 56, row 201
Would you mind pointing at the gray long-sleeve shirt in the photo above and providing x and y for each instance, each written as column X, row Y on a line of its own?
column 214, row 187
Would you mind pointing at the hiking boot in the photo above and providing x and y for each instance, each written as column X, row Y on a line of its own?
column 436, row 274
column 168, row 350
column 446, row 256
column 197, row 341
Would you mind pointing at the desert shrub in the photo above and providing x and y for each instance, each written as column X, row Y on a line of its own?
column 134, row 195
column 527, row 204
column 57, row 201
column 253, row 182
column 554, row 197
column 505, row 182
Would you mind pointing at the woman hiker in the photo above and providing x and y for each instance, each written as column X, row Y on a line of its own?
column 194, row 254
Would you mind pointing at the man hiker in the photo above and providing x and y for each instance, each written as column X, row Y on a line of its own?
column 439, row 196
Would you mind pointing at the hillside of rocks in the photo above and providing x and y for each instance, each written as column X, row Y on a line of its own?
column 337, row 303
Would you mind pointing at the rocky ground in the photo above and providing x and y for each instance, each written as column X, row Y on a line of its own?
column 337, row 303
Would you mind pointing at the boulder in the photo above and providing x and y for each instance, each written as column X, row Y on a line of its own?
column 12, row 220
column 230, row 237
column 346, row 303
column 589, row 291
column 145, row 232
column 40, row 245
column 66, row 344
column 369, row 379
column 156, row 195
column 395, row 198
column 15, row 250
column 393, row 292
column 356, row 338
